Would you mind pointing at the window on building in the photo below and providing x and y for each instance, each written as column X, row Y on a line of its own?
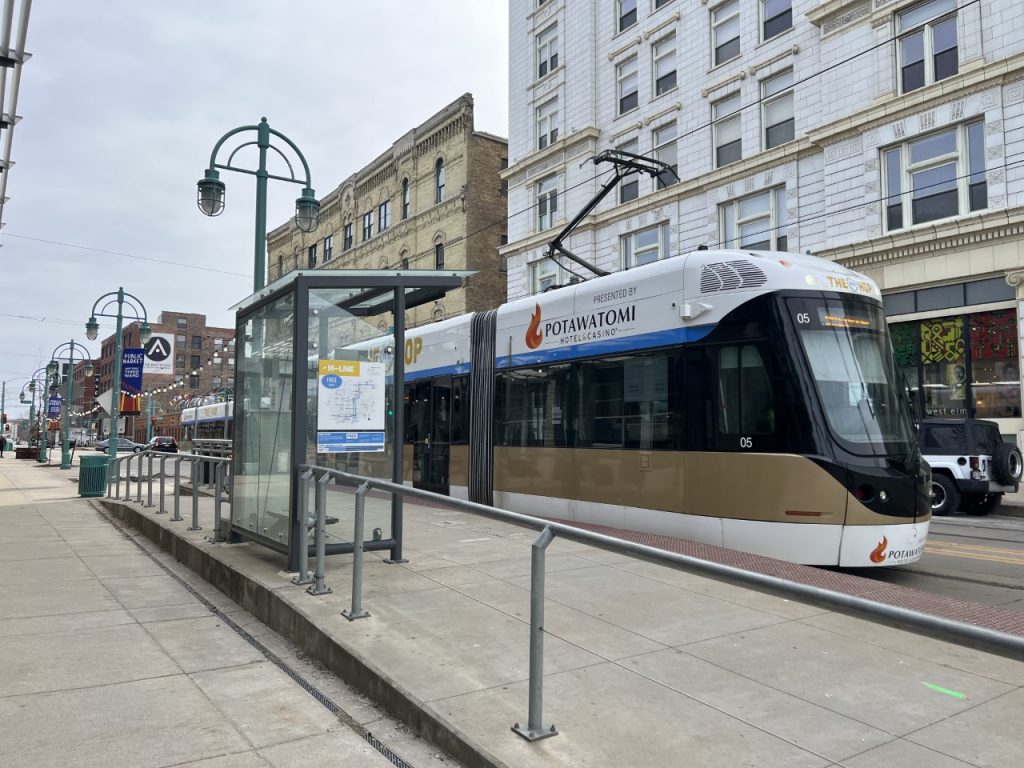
column 280, row 265
column 629, row 187
column 367, row 225
column 347, row 242
column 660, row 3
column 756, row 222
column 777, row 109
column 547, row 202
column 197, row 342
column 439, row 256
column 218, row 343
column 547, row 123
column 725, row 32
column 328, row 247
column 776, row 17
column 936, row 176
column 231, row 345
column 439, row 180
column 193, row 382
column 179, row 379
column 628, row 84
column 626, row 14
column 405, row 263
column 193, row 361
column 927, row 45
column 180, row 339
column 644, row 246
column 215, row 381
column 727, row 130
column 179, row 361
column 218, row 360
column 547, row 50
column 311, row 257
column 544, row 275
column 664, row 139
column 383, row 215
column 182, row 322
column 405, row 199
column 663, row 55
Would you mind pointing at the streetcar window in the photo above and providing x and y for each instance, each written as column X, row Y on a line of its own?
column 460, row 409
column 744, row 392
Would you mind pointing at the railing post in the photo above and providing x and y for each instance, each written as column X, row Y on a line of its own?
column 357, row 612
column 149, row 483
column 535, row 729
column 195, row 497
column 319, row 587
column 218, row 487
column 117, row 462
column 162, row 510
column 138, row 493
column 177, row 518
column 303, row 576
column 110, row 478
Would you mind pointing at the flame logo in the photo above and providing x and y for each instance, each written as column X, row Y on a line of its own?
column 533, row 334
column 878, row 553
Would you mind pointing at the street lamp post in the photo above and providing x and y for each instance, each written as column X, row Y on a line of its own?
column 58, row 353
column 35, row 383
column 211, row 188
column 121, row 299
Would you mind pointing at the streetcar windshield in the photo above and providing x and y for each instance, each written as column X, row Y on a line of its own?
column 847, row 347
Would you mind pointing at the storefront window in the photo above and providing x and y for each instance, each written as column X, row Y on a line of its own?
column 995, row 374
column 944, row 367
column 944, row 381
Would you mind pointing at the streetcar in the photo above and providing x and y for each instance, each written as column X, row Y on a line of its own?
column 208, row 421
column 745, row 399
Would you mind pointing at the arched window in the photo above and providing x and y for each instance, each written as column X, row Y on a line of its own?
column 439, row 180
column 439, row 256
column 405, row 199
column 280, row 265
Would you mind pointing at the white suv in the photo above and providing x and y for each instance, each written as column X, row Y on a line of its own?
column 971, row 465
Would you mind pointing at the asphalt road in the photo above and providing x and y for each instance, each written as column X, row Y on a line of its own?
column 980, row 559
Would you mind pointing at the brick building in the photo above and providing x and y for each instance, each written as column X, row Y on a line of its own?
column 202, row 360
column 434, row 200
column 887, row 135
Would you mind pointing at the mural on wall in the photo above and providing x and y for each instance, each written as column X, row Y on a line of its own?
column 994, row 335
column 942, row 341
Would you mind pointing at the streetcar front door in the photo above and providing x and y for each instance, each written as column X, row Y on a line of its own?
column 430, row 433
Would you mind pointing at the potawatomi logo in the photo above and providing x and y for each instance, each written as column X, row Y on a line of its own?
column 534, row 335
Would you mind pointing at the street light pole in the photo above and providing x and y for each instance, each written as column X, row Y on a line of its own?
column 211, row 189
column 92, row 330
column 53, row 369
column 149, row 419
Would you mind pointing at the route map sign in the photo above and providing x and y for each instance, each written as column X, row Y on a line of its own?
column 350, row 407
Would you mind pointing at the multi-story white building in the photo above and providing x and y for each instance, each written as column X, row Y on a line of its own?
column 887, row 135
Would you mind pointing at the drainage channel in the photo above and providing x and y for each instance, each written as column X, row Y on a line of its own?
column 308, row 687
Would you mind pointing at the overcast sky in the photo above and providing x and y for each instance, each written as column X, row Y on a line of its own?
column 123, row 101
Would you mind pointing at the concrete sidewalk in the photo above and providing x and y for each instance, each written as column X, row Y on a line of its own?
column 105, row 660
column 643, row 664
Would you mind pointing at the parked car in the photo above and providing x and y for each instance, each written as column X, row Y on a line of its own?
column 165, row 444
column 123, row 444
column 971, row 465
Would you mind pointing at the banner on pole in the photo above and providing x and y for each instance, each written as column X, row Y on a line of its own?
column 131, row 369
column 54, row 405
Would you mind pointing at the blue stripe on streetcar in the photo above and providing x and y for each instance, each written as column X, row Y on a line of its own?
column 613, row 346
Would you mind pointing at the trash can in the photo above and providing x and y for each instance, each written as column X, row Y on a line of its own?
column 92, row 475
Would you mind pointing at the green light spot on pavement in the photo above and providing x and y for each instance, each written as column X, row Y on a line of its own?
column 940, row 689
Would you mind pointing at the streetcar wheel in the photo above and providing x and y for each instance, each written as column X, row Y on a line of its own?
column 983, row 505
column 945, row 496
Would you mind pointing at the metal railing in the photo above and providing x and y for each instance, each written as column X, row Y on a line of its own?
column 221, row 485
column 968, row 634
column 978, row 637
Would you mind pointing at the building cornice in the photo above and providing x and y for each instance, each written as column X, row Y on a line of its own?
column 975, row 229
column 544, row 156
column 970, row 80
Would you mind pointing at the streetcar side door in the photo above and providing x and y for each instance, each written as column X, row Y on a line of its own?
column 429, row 431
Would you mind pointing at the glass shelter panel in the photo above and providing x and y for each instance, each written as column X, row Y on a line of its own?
column 335, row 334
column 263, row 431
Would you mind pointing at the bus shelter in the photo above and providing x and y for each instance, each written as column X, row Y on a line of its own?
column 317, row 381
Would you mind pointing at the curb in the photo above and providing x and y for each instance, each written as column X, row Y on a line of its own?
column 274, row 610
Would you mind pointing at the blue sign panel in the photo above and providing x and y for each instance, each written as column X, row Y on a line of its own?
column 131, row 369
column 349, row 442
column 53, row 406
